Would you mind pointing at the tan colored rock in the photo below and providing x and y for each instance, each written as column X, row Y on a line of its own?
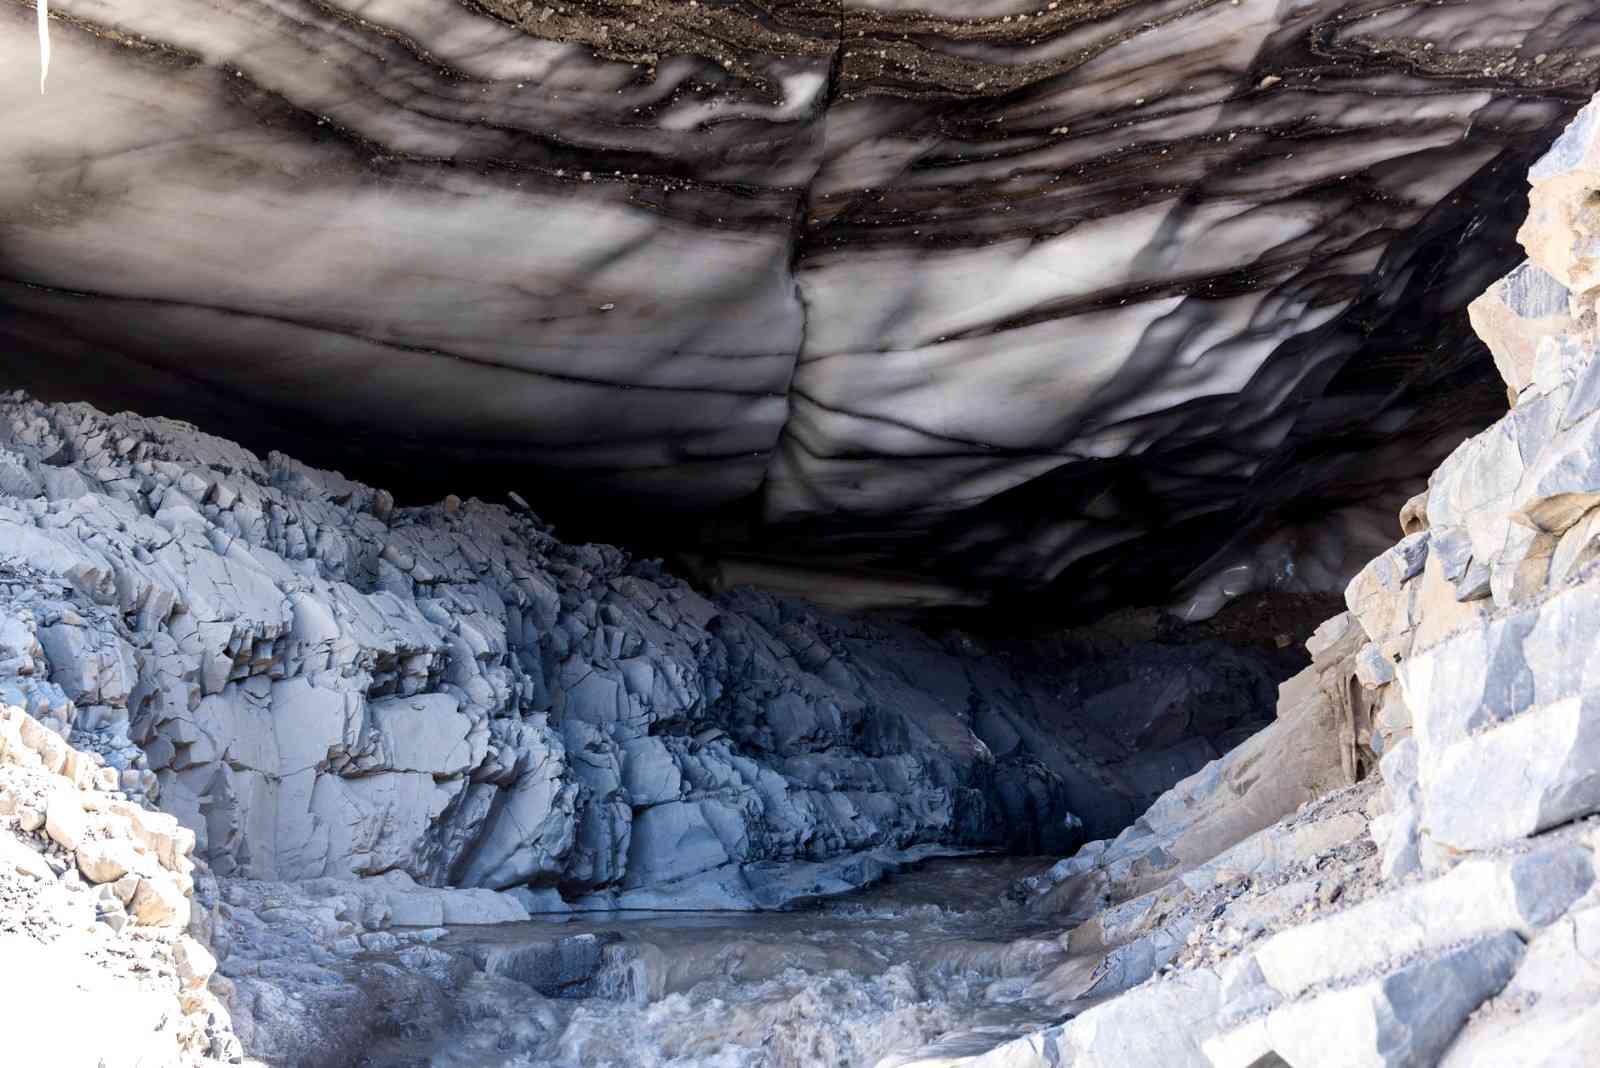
column 1414, row 515
column 50, row 746
column 1564, row 206
column 12, row 751
column 125, row 888
column 1327, row 635
column 1381, row 597
column 159, row 903
column 80, row 768
column 1301, row 755
column 159, row 833
column 1522, row 568
column 1579, row 546
column 105, row 861
column 1439, row 611
column 68, row 977
column 1514, row 315
column 1391, row 722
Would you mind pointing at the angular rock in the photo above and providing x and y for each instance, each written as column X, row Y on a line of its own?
column 1515, row 314
column 106, row 861
column 464, row 698
column 64, row 820
column 1160, row 1023
column 1579, row 547
column 1478, row 898
column 195, row 963
column 1372, row 667
column 1405, row 1018
column 158, row 902
column 1546, row 1016
column 1558, row 232
column 1534, row 772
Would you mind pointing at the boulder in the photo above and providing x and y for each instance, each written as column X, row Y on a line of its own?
column 1515, row 314
column 1404, row 1018
column 64, row 820
column 106, row 861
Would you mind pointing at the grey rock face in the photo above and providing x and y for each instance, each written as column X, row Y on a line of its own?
column 1526, row 305
column 1546, row 1016
column 970, row 285
column 324, row 685
column 1160, row 1023
column 1405, row 1018
column 1479, row 899
column 1498, row 692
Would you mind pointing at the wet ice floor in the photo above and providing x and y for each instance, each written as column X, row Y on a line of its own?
column 932, row 961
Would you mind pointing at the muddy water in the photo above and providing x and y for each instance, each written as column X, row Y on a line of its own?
column 931, row 963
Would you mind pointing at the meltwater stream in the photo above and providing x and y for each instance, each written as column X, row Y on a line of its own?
column 929, row 964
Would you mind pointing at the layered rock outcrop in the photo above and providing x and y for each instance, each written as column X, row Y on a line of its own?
column 1441, row 912
column 322, row 684
column 1087, row 301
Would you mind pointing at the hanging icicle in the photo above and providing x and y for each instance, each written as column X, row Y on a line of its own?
column 44, row 42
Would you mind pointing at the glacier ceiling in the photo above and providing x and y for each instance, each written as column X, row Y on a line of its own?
column 1080, row 301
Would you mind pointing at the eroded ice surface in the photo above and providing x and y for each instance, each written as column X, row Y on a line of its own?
column 1090, row 302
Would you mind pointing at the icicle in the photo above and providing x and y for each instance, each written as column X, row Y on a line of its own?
column 44, row 42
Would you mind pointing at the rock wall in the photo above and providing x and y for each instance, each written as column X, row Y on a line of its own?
column 322, row 684
column 1088, row 303
column 1441, row 912
column 1482, row 659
